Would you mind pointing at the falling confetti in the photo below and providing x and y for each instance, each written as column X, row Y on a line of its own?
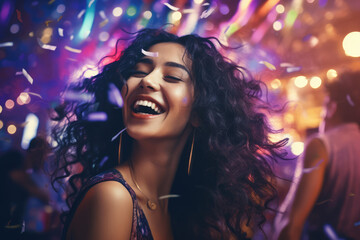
column 51, row 2
column 74, row 50
column 190, row 10
column 34, row 94
column 28, row 77
column 59, row 18
column 293, row 69
column 103, row 23
column 115, row 96
column 23, row 124
column 103, row 161
column 268, row 65
column 7, row 44
column 349, row 100
column 48, row 47
column 169, row 196
column 207, row 13
column 47, row 22
column 81, row 13
column 171, row 7
column 114, row 137
column 329, row 231
column 97, row 117
column 149, row 54
column 206, row 4
column 61, row 32
column 90, row 3
column 307, row 170
column 18, row 14
column 102, row 14
column 78, row 97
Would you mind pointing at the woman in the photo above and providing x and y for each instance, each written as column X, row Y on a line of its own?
column 193, row 161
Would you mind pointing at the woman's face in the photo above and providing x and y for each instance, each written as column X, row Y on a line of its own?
column 159, row 94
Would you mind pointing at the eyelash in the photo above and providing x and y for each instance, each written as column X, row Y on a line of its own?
column 138, row 73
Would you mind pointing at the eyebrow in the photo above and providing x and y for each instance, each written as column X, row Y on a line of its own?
column 169, row 64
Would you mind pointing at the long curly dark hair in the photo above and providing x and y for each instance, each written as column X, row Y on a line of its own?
column 230, row 184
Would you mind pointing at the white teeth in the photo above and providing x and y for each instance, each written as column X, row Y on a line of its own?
column 147, row 103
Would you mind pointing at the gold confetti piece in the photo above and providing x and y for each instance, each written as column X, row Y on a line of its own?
column 28, row 77
column 171, row 7
column 59, row 18
column 190, row 10
column 103, row 23
column 150, row 54
column 51, row 2
column 35, row 94
column 18, row 14
column 72, row 49
column 7, row 44
column 268, row 65
column 47, row 22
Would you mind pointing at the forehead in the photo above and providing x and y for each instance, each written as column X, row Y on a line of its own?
column 170, row 51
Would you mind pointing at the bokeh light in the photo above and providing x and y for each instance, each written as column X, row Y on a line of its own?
column 9, row 104
column 23, row 98
column 104, row 36
column 351, row 44
column 315, row 82
column 0, row 108
column 46, row 37
column 280, row 8
column 275, row 84
column 131, row 11
column 117, row 12
column 224, row 9
column 11, row 129
column 198, row 1
column 60, row 8
column 297, row 148
column 147, row 15
column 176, row 16
column 331, row 74
column 277, row 26
column 14, row 28
column 300, row 81
column 1, row 124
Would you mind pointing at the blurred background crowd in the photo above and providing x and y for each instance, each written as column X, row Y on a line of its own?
column 294, row 46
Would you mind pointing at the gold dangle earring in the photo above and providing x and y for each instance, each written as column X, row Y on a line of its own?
column 120, row 140
column 191, row 152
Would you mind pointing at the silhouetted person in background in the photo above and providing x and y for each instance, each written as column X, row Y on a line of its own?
column 16, row 186
column 327, row 195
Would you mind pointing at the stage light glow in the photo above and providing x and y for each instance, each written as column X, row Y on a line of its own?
column 331, row 74
column 176, row 16
column 11, row 129
column 147, row 15
column 300, row 81
column 351, row 44
column 1, row 124
column 30, row 130
column 117, row 12
column 9, row 104
column 88, row 21
column 280, row 8
column 277, row 26
column 275, row 84
column 297, row 148
column 0, row 108
column 89, row 71
column 131, row 11
column 315, row 82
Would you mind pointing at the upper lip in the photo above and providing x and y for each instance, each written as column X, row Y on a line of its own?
column 148, row 98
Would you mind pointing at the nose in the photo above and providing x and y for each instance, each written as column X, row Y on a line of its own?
column 151, row 81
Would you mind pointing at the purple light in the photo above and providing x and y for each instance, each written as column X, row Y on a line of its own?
column 5, row 11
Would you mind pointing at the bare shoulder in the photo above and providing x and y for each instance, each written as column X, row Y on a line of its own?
column 315, row 151
column 104, row 213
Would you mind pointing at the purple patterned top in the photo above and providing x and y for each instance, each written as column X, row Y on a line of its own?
column 140, row 228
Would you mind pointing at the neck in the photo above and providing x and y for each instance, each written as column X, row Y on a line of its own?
column 155, row 162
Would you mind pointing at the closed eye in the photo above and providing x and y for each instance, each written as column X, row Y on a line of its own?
column 138, row 74
column 172, row 79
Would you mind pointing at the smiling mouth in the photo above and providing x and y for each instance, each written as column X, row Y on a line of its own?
column 146, row 107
